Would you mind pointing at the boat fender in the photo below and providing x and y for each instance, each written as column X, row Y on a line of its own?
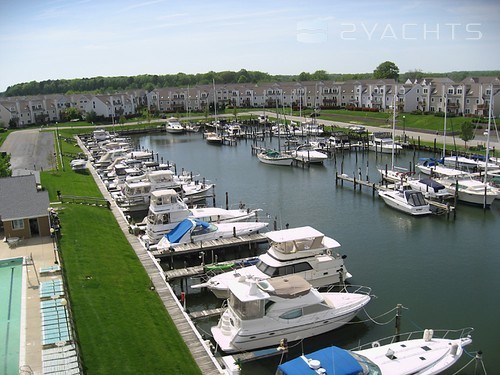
column 375, row 344
column 328, row 252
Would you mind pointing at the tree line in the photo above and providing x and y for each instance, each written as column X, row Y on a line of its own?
column 148, row 82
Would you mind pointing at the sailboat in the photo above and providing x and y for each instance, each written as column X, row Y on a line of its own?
column 466, row 187
column 214, row 138
column 395, row 174
column 275, row 156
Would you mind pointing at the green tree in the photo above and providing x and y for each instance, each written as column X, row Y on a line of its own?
column 71, row 113
column 91, row 116
column 467, row 132
column 320, row 75
column 5, row 170
column 304, row 76
column 386, row 70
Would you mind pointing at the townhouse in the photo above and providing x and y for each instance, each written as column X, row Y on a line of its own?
column 428, row 95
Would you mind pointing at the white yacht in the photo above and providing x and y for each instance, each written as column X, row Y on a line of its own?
column 383, row 143
column 429, row 187
column 470, row 191
column 411, row 202
column 307, row 153
column 304, row 251
column 426, row 352
column 174, row 126
column 192, row 230
column 262, row 313
column 167, row 209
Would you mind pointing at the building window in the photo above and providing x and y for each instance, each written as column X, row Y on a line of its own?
column 450, row 91
column 425, row 91
column 467, row 101
column 459, row 91
column 17, row 224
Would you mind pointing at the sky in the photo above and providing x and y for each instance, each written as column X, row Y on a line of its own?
column 66, row 39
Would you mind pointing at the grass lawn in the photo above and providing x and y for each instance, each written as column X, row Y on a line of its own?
column 122, row 326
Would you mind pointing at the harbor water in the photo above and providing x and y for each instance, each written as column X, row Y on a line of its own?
column 443, row 271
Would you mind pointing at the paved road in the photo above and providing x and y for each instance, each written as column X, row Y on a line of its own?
column 30, row 149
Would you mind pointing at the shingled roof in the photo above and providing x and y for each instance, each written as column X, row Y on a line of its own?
column 19, row 198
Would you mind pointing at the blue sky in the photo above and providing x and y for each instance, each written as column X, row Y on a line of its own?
column 64, row 39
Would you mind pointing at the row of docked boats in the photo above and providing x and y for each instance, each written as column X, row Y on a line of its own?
column 297, row 291
column 262, row 311
column 139, row 184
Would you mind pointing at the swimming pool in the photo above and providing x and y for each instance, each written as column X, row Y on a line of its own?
column 11, row 274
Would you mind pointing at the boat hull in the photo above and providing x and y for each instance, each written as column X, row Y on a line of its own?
column 391, row 201
column 268, row 332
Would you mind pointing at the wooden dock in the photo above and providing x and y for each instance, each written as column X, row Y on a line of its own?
column 340, row 178
column 206, row 313
column 439, row 208
column 184, row 272
column 189, row 248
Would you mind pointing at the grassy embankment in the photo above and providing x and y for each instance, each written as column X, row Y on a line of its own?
column 121, row 324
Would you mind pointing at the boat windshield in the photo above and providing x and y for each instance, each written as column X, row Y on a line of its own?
column 367, row 365
column 284, row 270
column 415, row 198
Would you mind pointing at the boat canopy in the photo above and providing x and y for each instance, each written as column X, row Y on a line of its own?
column 176, row 234
column 436, row 186
column 333, row 359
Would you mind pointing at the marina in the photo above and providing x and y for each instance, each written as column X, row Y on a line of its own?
column 419, row 272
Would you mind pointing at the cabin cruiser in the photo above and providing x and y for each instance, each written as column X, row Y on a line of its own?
column 194, row 230
column 174, row 126
column 261, row 313
column 167, row 209
column 429, row 352
column 430, row 188
column 308, row 153
column 383, row 143
column 408, row 201
column 470, row 191
column 304, row 251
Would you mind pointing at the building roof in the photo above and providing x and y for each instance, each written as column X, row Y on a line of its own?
column 19, row 198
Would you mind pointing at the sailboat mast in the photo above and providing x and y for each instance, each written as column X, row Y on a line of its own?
column 393, row 130
column 444, row 131
column 490, row 115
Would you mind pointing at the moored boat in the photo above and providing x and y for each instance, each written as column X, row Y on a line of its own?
column 426, row 352
column 303, row 251
column 409, row 201
column 262, row 313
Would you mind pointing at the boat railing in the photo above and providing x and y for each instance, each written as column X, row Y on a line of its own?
column 346, row 288
column 427, row 334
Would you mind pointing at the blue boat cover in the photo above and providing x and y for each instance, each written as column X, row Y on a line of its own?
column 333, row 359
column 432, row 184
column 175, row 235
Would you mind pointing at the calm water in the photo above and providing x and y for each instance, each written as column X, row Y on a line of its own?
column 444, row 272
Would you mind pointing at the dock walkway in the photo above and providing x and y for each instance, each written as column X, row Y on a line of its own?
column 200, row 352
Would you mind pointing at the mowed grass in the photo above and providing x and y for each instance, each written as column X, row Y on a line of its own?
column 121, row 324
